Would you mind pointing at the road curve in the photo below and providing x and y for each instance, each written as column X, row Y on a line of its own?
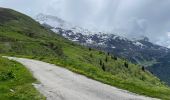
column 57, row 83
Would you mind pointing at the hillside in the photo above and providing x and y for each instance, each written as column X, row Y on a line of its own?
column 22, row 36
column 16, row 82
column 139, row 51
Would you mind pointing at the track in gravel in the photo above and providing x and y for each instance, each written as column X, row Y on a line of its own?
column 57, row 83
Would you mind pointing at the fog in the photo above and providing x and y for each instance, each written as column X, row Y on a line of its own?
column 130, row 18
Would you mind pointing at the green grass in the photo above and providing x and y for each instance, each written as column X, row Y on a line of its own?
column 132, row 78
column 23, row 37
column 16, row 82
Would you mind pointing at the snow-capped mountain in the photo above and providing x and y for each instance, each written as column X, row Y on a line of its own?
column 139, row 51
column 56, row 23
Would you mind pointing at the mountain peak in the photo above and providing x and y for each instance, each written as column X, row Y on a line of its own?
column 51, row 20
column 43, row 17
column 57, row 22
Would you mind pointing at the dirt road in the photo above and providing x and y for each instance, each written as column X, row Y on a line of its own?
column 57, row 83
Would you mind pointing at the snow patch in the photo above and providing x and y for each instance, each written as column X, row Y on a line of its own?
column 113, row 47
column 90, row 41
column 138, row 44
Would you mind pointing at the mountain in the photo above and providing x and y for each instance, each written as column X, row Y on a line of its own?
column 55, row 21
column 140, row 51
column 22, row 36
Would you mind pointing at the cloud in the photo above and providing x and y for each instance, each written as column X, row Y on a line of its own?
column 132, row 18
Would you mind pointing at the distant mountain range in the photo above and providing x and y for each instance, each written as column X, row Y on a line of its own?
column 156, row 58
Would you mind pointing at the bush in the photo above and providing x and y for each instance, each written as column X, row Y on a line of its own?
column 114, row 57
column 108, row 53
column 6, row 75
column 100, row 62
column 91, row 55
column 126, row 64
column 100, row 52
column 143, row 68
column 103, row 67
column 90, row 49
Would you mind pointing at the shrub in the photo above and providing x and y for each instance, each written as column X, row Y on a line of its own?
column 103, row 67
column 126, row 64
column 100, row 52
column 143, row 68
column 6, row 75
column 91, row 55
column 100, row 62
column 108, row 53
column 114, row 57
column 90, row 49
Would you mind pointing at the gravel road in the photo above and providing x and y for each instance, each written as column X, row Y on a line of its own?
column 57, row 83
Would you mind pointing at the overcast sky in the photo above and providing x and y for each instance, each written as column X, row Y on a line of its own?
column 131, row 18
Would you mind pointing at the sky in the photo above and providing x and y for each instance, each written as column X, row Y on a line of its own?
column 129, row 18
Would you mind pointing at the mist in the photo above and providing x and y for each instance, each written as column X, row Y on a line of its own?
column 129, row 18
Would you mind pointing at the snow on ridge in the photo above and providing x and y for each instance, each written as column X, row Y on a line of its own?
column 57, row 24
column 138, row 44
column 113, row 47
column 54, row 21
column 90, row 41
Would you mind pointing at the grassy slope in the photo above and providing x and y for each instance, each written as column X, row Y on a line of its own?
column 16, row 82
column 21, row 36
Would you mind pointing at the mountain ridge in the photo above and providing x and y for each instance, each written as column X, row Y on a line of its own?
column 140, row 51
column 100, row 40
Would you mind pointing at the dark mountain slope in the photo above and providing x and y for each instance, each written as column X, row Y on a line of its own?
column 162, row 68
